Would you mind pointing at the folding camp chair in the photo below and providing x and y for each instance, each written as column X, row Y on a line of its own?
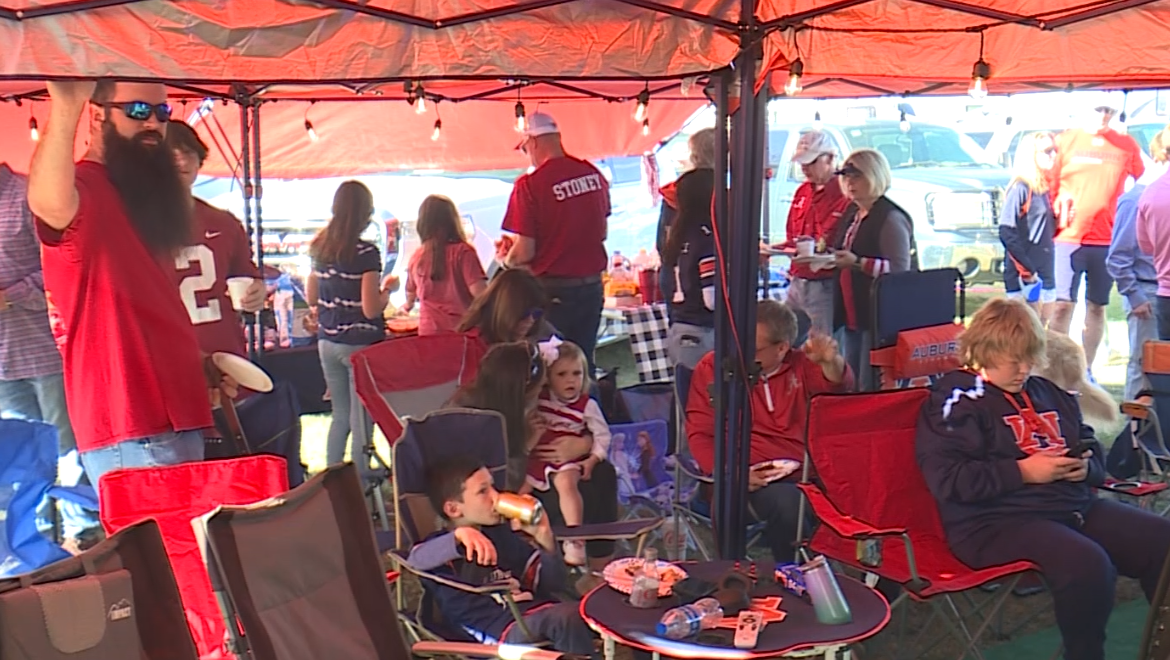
column 479, row 434
column 154, row 606
column 1152, row 463
column 309, row 556
column 915, row 334
column 408, row 376
column 872, row 500
column 28, row 472
column 175, row 494
column 270, row 423
column 691, row 505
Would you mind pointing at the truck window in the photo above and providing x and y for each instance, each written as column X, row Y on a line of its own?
column 777, row 144
column 921, row 146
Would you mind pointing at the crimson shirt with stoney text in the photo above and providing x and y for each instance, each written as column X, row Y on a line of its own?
column 218, row 251
column 132, row 363
column 564, row 206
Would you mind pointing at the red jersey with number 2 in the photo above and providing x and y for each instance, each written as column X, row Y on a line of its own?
column 218, row 251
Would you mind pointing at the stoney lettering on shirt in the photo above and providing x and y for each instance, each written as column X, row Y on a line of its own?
column 576, row 187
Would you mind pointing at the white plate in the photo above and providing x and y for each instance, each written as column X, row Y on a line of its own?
column 619, row 573
column 244, row 372
column 815, row 259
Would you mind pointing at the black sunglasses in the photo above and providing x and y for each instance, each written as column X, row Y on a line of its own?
column 141, row 110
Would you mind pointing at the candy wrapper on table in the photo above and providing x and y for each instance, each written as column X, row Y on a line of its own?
column 791, row 578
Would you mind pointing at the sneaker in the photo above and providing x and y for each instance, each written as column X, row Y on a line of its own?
column 574, row 553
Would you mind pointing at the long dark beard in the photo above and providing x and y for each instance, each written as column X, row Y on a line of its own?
column 147, row 180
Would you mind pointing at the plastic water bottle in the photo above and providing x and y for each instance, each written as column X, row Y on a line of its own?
column 688, row 620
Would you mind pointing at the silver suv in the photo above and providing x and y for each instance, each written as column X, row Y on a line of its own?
column 940, row 177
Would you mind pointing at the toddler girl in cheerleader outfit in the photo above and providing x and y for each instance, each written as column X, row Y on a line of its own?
column 565, row 408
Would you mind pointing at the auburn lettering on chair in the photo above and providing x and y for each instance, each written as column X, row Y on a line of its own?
column 1031, row 441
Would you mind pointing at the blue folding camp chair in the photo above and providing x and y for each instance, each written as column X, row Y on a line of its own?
column 28, row 473
column 479, row 434
column 271, row 424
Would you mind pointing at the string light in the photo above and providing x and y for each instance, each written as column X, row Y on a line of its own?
column 817, row 125
column 420, row 102
column 309, row 130
column 904, row 123
column 438, row 132
column 979, row 75
column 795, row 71
column 646, row 126
column 521, row 119
column 34, row 132
column 643, row 101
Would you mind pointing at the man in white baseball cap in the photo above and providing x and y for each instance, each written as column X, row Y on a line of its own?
column 816, row 208
column 559, row 213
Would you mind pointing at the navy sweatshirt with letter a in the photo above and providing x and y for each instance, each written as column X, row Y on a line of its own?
column 969, row 439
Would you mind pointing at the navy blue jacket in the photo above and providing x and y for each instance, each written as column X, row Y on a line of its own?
column 482, row 617
column 969, row 439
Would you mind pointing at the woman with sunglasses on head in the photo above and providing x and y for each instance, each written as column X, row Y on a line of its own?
column 346, row 304
column 874, row 236
column 510, row 309
column 1027, row 223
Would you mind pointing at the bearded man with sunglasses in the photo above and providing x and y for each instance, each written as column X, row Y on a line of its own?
column 111, row 225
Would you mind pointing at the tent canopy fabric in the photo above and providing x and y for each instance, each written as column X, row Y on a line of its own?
column 569, row 54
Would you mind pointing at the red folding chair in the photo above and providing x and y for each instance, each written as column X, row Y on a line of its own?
column 878, row 515
column 413, row 376
column 175, row 494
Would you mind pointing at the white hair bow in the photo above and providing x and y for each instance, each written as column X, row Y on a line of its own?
column 550, row 350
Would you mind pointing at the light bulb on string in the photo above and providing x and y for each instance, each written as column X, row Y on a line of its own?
column 521, row 119
column 817, row 125
column 979, row 75
column 34, row 132
column 643, row 101
column 795, row 71
column 904, row 123
column 646, row 126
column 313, row 137
column 420, row 102
column 438, row 132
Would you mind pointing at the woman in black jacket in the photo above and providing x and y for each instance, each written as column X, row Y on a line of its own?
column 874, row 237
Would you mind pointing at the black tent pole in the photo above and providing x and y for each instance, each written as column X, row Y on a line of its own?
column 257, row 195
column 242, row 100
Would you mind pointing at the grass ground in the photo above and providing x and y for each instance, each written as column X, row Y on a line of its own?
column 1038, row 639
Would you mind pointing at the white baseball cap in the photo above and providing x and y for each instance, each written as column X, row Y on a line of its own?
column 539, row 124
column 811, row 146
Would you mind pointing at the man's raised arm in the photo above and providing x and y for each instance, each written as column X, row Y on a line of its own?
column 52, row 194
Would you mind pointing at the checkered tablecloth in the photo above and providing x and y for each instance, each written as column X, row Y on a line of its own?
column 647, row 327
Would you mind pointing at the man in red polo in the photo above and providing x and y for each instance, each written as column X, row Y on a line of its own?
column 560, row 214
column 218, row 250
column 111, row 226
column 816, row 208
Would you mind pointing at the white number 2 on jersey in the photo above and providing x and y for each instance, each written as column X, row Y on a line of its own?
column 202, row 255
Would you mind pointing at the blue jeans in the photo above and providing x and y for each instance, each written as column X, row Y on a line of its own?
column 42, row 399
column 575, row 311
column 855, row 346
column 169, row 448
column 1140, row 331
column 560, row 624
column 348, row 413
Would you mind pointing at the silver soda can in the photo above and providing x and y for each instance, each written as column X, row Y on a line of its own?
column 525, row 508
